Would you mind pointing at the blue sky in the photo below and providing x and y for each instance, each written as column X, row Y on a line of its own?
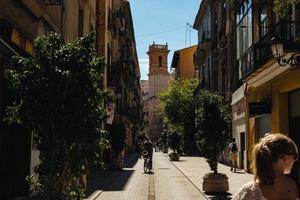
column 151, row 17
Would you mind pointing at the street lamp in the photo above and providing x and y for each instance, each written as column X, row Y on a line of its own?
column 277, row 48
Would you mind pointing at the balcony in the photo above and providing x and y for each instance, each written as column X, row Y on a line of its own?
column 159, row 46
column 53, row 2
column 259, row 53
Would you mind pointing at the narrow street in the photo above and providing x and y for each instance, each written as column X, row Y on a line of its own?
column 166, row 183
column 131, row 183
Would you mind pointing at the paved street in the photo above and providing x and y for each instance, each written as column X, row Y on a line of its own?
column 170, row 180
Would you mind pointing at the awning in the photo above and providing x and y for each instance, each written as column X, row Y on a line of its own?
column 9, row 49
column 238, row 94
column 6, row 49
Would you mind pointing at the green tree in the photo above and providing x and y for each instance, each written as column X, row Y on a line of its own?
column 213, row 125
column 282, row 7
column 57, row 94
column 178, row 105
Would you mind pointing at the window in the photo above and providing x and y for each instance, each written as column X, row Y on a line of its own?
column 263, row 22
column 244, row 38
column 244, row 33
column 91, row 27
column 80, row 22
column 160, row 61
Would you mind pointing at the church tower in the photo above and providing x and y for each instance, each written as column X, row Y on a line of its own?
column 159, row 78
column 158, row 68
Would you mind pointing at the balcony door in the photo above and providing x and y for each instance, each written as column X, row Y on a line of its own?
column 264, row 21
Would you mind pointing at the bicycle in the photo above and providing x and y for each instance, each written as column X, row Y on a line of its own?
column 147, row 164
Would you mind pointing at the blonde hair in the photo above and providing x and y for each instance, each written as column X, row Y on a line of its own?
column 269, row 149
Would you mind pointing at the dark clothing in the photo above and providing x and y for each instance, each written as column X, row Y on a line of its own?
column 148, row 146
column 233, row 147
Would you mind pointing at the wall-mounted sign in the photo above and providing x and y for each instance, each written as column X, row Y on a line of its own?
column 259, row 108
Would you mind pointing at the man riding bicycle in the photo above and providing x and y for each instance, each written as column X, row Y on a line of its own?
column 148, row 146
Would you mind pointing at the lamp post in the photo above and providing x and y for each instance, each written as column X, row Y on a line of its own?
column 277, row 48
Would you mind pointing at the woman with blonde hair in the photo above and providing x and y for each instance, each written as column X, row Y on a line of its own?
column 274, row 157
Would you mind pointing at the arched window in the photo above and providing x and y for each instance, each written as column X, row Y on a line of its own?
column 160, row 61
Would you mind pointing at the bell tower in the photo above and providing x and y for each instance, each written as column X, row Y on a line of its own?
column 158, row 81
column 158, row 59
column 158, row 68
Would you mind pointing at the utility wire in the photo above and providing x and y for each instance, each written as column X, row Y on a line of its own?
column 166, row 31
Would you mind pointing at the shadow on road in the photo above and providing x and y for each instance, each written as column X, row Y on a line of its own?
column 218, row 196
column 111, row 180
column 179, row 160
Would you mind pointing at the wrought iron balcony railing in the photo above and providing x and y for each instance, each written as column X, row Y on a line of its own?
column 259, row 53
column 53, row 2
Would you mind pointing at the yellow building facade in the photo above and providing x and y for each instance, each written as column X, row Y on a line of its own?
column 279, row 87
column 183, row 63
column 270, row 90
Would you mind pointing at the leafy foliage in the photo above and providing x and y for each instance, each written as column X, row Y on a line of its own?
column 57, row 95
column 213, row 125
column 178, row 100
column 164, row 137
column 281, row 7
column 178, row 105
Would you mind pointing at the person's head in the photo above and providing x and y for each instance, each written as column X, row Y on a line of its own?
column 274, row 152
column 233, row 139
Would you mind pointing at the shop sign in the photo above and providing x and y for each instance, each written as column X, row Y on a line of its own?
column 240, row 107
column 259, row 108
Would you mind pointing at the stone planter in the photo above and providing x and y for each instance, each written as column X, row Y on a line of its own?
column 215, row 183
column 174, row 156
column 165, row 150
column 117, row 164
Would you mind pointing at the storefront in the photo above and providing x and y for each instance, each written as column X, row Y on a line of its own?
column 239, row 125
column 279, row 88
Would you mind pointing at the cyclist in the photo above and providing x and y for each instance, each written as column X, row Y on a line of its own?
column 148, row 146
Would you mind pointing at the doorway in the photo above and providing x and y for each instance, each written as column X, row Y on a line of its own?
column 294, row 116
column 242, row 150
column 294, row 127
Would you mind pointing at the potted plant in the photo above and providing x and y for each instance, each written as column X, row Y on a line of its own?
column 174, row 140
column 117, row 139
column 212, row 124
column 164, row 140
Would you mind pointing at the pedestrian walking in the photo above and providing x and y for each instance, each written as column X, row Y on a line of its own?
column 233, row 155
column 273, row 159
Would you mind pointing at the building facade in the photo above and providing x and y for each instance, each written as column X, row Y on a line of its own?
column 215, row 54
column 158, row 81
column 116, row 42
column 18, row 155
column 271, row 90
column 215, row 57
column 183, row 63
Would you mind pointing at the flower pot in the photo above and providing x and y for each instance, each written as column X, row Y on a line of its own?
column 215, row 183
column 165, row 150
column 174, row 156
